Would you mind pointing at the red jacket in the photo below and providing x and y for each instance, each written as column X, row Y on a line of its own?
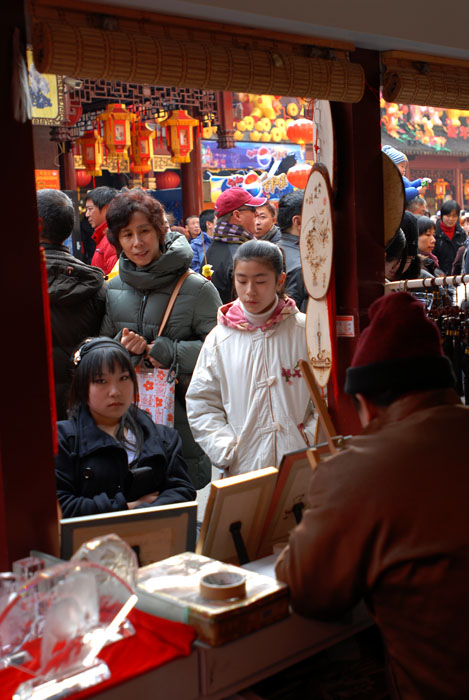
column 105, row 255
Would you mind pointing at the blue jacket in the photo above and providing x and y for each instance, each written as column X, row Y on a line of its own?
column 92, row 469
column 198, row 249
column 411, row 188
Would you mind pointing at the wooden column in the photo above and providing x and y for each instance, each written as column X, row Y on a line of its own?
column 28, row 513
column 359, row 217
column 68, row 180
column 191, row 181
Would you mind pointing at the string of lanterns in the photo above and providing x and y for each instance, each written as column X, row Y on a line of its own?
column 301, row 131
column 120, row 142
column 123, row 143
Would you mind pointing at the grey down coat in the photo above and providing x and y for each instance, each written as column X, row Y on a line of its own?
column 137, row 299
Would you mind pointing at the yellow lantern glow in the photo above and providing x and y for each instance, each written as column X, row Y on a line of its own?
column 116, row 121
column 440, row 188
column 141, row 148
column 91, row 144
column 179, row 135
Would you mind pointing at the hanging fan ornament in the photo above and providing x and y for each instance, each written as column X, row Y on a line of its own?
column 316, row 237
column 324, row 148
column 318, row 339
column 316, row 250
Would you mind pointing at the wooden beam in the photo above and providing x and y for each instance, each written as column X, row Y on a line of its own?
column 41, row 9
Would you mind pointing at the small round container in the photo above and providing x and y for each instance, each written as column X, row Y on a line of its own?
column 222, row 585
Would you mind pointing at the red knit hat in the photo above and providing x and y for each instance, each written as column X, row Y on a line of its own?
column 400, row 350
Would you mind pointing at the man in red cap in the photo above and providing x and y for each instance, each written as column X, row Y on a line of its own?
column 387, row 518
column 236, row 224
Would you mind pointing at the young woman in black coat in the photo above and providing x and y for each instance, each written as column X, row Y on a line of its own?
column 449, row 235
column 111, row 455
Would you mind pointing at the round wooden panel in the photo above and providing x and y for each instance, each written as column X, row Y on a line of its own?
column 324, row 151
column 318, row 340
column 393, row 196
column 316, row 236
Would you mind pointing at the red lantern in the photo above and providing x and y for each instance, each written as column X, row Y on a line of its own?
column 179, row 135
column 83, row 178
column 301, row 131
column 298, row 175
column 91, row 144
column 466, row 189
column 141, row 150
column 167, row 180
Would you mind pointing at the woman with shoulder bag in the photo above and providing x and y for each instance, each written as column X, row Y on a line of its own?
column 152, row 261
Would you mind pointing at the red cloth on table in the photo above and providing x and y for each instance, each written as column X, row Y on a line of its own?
column 156, row 641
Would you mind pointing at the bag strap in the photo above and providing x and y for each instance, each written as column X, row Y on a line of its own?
column 172, row 299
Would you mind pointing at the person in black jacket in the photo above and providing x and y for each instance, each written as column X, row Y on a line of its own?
column 289, row 222
column 111, row 455
column 77, row 292
column 236, row 224
column 449, row 235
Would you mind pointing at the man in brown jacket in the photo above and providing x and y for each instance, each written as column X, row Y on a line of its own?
column 388, row 518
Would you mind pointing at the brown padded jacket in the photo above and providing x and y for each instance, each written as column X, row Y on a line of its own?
column 387, row 521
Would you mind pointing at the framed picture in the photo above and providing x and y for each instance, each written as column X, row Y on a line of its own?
column 234, row 515
column 153, row 533
column 290, row 495
column 288, row 499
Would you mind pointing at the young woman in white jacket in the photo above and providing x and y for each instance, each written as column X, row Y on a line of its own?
column 247, row 403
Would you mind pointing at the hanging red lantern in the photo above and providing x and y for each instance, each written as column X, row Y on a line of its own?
column 83, row 178
column 91, row 144
column 116, row 121
column 301, row 131
column 179, row 135
column 167, row 180
column 298, row 175
column 440, row 188
column 141, row 148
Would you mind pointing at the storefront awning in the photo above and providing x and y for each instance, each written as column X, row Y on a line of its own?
column 147, row 56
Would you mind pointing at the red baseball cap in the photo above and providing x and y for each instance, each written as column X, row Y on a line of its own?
column 234, row 198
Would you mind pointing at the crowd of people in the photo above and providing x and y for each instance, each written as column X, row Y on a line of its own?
column 426, row 244
column 385, row 519
column 244, row 322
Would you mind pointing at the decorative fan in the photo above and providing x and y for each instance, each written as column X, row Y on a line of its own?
column 318, row 340
column 316, row 237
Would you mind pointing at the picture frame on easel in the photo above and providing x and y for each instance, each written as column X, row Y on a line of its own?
column 235, row 514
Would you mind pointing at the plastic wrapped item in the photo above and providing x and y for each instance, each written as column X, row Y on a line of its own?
column 59, row 621
column 10, row 583
column 113, row 553
column 27, row 568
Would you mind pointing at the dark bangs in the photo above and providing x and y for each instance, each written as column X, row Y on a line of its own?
column 91, row 367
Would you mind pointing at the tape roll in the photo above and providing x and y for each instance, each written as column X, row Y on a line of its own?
column 222, row 585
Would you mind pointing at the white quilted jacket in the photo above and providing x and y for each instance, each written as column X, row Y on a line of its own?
column 247, row 395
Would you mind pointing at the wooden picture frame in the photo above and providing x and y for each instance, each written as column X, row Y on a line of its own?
column 243, row 499
column 295, row 471
column 154, row 533
column 291, row 492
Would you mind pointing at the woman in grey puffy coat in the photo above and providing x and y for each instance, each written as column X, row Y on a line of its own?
column 151, row 262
